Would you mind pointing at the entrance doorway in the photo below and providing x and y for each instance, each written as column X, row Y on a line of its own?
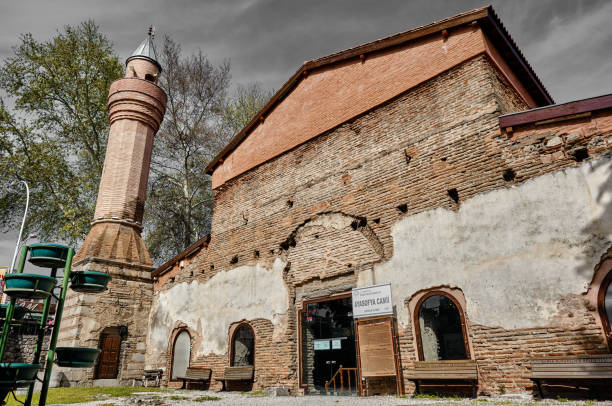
column 327, row 345
column 110, row 344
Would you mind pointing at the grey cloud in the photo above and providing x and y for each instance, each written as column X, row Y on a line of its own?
column 566, row 41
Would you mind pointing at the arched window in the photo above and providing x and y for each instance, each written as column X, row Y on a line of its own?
column 181, row 353
column 243, row 346
column 604, row 303
column 440, row 328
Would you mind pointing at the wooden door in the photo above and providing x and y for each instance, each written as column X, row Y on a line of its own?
column 108, row 366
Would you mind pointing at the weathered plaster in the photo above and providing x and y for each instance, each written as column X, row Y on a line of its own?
column 515, row 252
column 245, row 292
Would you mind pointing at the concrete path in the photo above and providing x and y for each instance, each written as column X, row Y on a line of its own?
column 184, row 398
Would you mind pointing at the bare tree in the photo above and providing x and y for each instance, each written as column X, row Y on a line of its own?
column 179, row 204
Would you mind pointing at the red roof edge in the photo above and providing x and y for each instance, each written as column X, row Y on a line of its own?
column 192, row 249
column 485, row 16
column 556, row 111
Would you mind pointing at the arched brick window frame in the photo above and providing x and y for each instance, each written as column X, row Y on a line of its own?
column 601, row 306
column 452, row 294
column 174, row 337
column 233, row 332
column 595, row 296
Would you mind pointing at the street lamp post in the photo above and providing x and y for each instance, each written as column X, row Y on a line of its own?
column 25, row 213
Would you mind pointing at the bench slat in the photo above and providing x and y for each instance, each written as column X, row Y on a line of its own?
column 238, row 373
column 445, row 370
column 197, row 374
column 443, row 377
column 576, row 374
column 583, row 367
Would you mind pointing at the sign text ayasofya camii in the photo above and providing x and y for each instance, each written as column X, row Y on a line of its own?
column 372, row 301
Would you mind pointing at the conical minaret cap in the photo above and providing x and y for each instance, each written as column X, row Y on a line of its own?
column 146, row 50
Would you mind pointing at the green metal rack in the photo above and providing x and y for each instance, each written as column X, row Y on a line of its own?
column 31, row 286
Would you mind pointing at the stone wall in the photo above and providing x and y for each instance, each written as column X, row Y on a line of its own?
column 126, row 303
column 21, row 345
column 417, row 192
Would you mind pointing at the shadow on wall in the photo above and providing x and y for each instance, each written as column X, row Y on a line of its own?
column 598, row 229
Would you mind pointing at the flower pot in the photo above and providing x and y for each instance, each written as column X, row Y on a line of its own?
column 15, row 374
column 89, row 281
column 28, row 286
column 18, row 313
column 76, row 357
column 48, row 255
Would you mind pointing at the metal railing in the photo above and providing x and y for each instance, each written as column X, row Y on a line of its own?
column 340, row 375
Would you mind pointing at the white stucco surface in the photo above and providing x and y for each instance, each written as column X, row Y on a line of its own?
column 515, row 252
column 245, row 292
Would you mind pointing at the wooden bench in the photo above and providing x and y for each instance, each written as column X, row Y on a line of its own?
column 572, row 368
column 196, row 375
column 455, row 370
column 236, row 374
column 154, row 375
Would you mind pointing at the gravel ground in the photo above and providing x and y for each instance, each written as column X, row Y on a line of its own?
column 184, row 398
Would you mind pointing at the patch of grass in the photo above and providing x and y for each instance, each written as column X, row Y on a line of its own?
column 560, row 399
column 66, row 396
column 255, row 393
column 435, row 396
column 205, row 398
column 175, row 397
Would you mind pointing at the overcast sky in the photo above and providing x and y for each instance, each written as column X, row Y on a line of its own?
column 567, row 42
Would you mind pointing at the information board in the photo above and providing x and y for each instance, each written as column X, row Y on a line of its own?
column 372, row 301
column 376, row 349
column 321, row 345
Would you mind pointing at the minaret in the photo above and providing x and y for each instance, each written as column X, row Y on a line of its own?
column 136, row 107
column 116, row 320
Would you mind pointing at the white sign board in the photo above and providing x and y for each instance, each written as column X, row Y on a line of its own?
column 372, row 301
column 321, row 345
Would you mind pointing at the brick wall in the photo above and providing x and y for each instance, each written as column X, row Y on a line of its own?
column 328, row 207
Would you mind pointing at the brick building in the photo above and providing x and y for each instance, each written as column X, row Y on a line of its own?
column 433, row 160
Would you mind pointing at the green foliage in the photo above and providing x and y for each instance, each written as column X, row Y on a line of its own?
column 502, row 389
column 55, row 135
column 245, row 104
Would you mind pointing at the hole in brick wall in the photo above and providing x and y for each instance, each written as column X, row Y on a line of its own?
column 290, row 203
column 403, row 208
column 349, row 266
column 212, row 267
column 203, row 271
column 509, row 175
column 191, row 273
column 443, row 159
column 256, row 254
column 316, row 236
column 453, row 194
column 172, row 279
column 272, row 252
column 408, row 157
column 579, row 154
column 363, row 222
column 354, row 224
column 289, row 242
column 234, row 259
column 377, row 221
column 346, row 178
